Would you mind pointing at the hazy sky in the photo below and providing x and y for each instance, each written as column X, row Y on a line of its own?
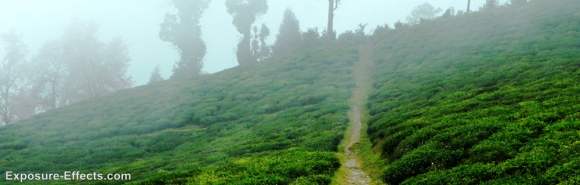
column 137, row 22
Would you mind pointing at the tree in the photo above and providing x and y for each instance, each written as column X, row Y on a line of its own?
column 245, row 13
column 94, row 68
column 50, row 79
column 12, row 61
column 155, row 76
column 290, row 37
column 468, row 6
column 422, row 12
column 115, row 64
column 183, row 30
column 332, row 7
column 449, row 12
column 76, row 67
column 259, row 47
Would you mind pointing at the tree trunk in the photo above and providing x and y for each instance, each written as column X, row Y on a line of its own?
column 330, row 28
column 468, row 6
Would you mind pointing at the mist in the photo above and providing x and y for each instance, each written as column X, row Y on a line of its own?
column 138, row 23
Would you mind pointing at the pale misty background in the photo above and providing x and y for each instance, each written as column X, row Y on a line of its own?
column 137, row 22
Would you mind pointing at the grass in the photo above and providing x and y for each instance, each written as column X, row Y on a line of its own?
column 370, row 160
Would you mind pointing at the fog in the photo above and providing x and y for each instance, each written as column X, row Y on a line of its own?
column 137, row 22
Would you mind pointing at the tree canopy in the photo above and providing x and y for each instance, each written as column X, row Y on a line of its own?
column 183, row 30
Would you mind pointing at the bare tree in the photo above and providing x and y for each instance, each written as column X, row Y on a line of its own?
column 332, row 7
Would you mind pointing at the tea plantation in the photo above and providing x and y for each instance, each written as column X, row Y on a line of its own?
column 275, row 123
column 491, row 97
column 488, row 97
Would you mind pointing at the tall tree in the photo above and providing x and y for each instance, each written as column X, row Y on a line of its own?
column 290, row 37
column 468, row 6
column 332, row 7
column 245, row 13
column 264, row 50
column 13, row 58
column 155, row 76
column 183, row 30
column 259, row 47
column 424, row 11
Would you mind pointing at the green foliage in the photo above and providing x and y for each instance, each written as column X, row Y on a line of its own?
column 490, row 97
column 239, row 125
column 288, row 167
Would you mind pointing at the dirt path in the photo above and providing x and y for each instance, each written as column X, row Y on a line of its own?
column 362, row 77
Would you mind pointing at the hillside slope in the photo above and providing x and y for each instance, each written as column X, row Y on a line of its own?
column 276, row 123
column 491, row 97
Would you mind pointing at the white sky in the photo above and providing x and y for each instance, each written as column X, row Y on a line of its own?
column 137, row 22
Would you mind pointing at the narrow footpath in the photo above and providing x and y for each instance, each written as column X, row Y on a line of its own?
column 362, row 76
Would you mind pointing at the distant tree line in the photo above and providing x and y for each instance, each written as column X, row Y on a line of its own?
column 183, row 30
column 72, row 68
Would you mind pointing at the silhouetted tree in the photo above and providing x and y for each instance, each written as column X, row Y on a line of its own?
column 259, row 47
column 183, row 30
column 468, row 6
column 245, row 13
column 289, row 38
column 155, row 76
column 332, row 7
column 422, row 12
